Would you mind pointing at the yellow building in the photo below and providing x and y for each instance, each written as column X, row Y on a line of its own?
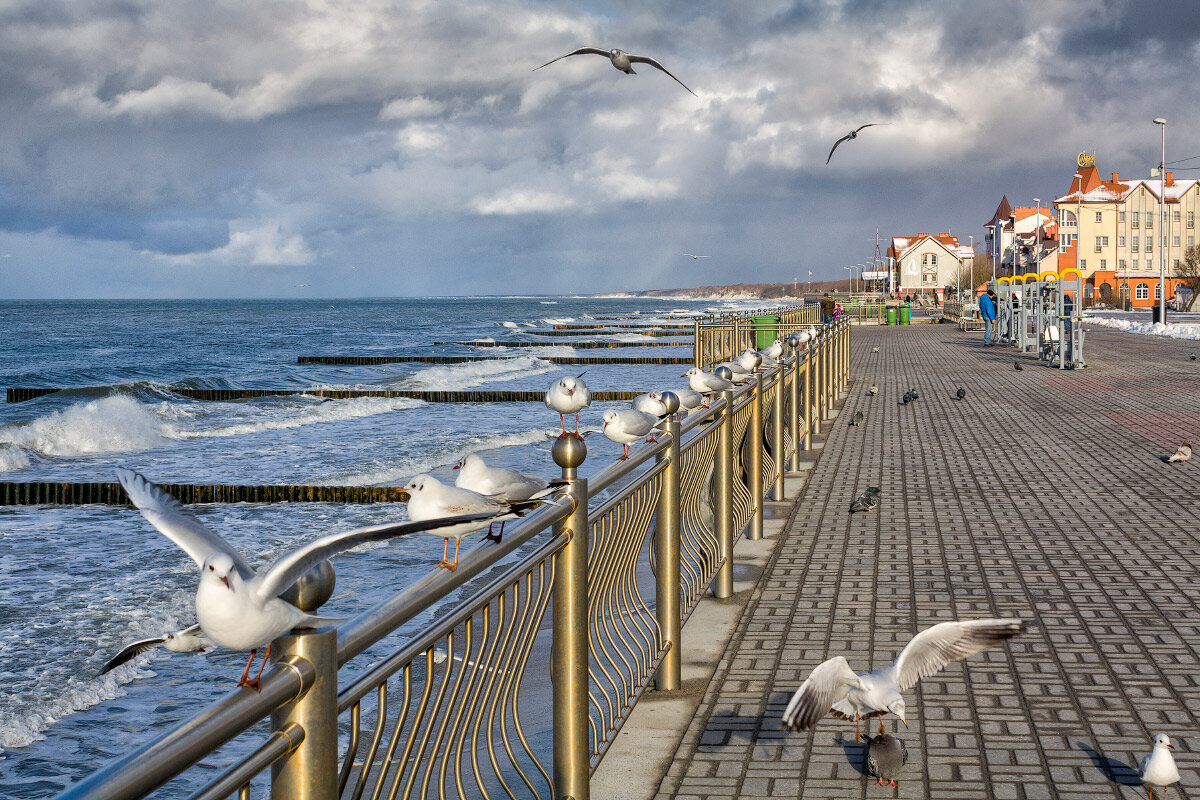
column 1112, row 231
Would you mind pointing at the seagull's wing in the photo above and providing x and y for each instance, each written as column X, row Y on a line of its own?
column 934, row 648
column 581, row 51
column 288, row 568
column 656, row 65
column 828, row 683
column 835, row 146
column 129, row 651
column 869, row 124
column 177, row 523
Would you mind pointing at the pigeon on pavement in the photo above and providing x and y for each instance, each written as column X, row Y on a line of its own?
column 872, row 391
column 885, row 756
column 867, row 501
column 857, row 420
column 1017, row 366
column 961, row 393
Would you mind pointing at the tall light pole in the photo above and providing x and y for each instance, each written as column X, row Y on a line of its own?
column 1037, row 220
column 1162, row 222
column 810, row 281
column 1078, row 218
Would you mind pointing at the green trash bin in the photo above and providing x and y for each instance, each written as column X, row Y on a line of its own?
column 905, row 315
column 766, row 330
column 890, row 318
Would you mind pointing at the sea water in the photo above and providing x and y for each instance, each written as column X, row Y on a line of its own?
column 78, row 583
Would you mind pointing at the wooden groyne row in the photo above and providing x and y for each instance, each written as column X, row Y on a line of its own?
column 69, row 494
column 367, row 360
column 17, row 395
column 576, row 327
column 576, row 345
column 653, row 333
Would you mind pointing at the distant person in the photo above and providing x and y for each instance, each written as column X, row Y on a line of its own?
column 827, row 308
column 987, row 310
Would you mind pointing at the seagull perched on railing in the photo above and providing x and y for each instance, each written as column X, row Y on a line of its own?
column 568, row 395
column 430, row 501
column 241, row 609
column 627, row 426
column 621, row 60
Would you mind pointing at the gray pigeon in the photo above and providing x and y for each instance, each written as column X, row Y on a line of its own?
column 858, row 418
column 961, row 393
column 885, row 756
column 913, row 393
column 906, row 399
column 872, row 391
column 867, row 501
column 1182, row 454
column 1193, row 357
column 1017, row 366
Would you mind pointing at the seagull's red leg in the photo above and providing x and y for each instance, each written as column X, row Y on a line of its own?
column 254, row 683
column 495, row 537
column 857, row 729
column 246, row 672
column 879, row 782
column 624, row 453
column 576, row 424
column 892, row 782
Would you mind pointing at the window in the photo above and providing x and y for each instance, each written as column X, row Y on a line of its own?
column 1099, row 216
column 1191, row 220
column 1158, row 291
column 1120, row 216
column 1120, row 241
column 1121, row 264
column 1141, row 292
column 1149, row 244
column 1175, row 215
column 1177, row 264
column 1175, row 241
column 1191, row 242
column 1104, row 263
column 1135, row 219
column 929, row 259
column 1083, row 263
column 1101, row 241
column 1149, row 220
column 1135, row 244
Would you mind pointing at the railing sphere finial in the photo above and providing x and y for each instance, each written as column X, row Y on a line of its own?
column 671, row 401
column 313, row 589
column 723, row 372
column 794, row 341
column 569, row 451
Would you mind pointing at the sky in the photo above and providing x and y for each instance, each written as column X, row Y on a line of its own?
column 367, row 148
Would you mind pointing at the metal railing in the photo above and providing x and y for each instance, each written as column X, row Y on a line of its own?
column 512, row 676
column 723, row 339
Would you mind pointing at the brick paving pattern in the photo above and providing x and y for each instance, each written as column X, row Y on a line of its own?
column 1042, row 496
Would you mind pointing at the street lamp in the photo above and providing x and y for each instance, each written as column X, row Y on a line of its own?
column 972, row 276
column 810, row 281
column 1162, row 235
column 1037, row 220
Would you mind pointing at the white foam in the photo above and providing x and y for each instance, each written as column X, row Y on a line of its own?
column 507, row 324
column 475, row 373
column 315, row 414
column 558, row 320
column 114, row 424
column 12, row 458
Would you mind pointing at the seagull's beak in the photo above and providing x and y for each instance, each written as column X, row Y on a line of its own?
column 1171, row 746
column 225, row 580
column 456, row 466
column 902, row 719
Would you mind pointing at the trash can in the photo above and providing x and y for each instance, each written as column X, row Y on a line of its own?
column 766, row 330
column 890, row 316
column 1154, row 315
column 905, row 315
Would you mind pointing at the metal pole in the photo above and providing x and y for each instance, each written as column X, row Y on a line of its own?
column 569, row 652
column 697, row 345
column 777, row 435
column 1162, row 222
column 755, row 466
column 794, row 419
column 808, row 399
column 814, row 348
column 310, row 771
column 668, row 606
column 723, row 584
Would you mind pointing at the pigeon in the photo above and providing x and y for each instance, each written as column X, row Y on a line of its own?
column 241, row 609
column 833, row 688
column 1192, row 357
column 621, row 60
column 651, row 403
column 1182, row 454
column 430, row 501
column 851, row 135
column 885, row 756
column 906, row 399
column 1158, row 766
column 961, row 393
column 706, row 382
column 568, row 395
column 857, row 420
column 500, row 483
column 185, row 641
column 867, row 501
column 874, row 390
column 1017, row 366
column 626, row 427
column 913, row 393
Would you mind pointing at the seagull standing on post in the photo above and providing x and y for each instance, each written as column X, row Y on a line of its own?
column 851, row 135
column 621, row 60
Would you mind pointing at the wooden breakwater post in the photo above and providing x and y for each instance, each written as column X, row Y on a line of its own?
column 47, row 493
column 482, row 396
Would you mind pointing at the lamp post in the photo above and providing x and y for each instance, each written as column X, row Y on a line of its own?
column 1078, row 217
column 810, row 281
column 1162, row 235
column 972, row 269
column 1037, row 220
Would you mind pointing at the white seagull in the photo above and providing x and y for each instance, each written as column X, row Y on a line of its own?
column 650, row 403
column 1181, row 454
column 621, row 60
column 626, row 427
column 706, row 382
column 739, row 373
column 833, row 688
column 185, row 641
column 693, row 257
column 689, row 399
column 747, row 360
column 499, row 483
column 772, row 351
column 236, row 607
column 851, row 135
column 568, row 395
column 1158, row 766
column 430, row 500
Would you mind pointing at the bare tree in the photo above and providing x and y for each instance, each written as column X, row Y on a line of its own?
column 1189, row 274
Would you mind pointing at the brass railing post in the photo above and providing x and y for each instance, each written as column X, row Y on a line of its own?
column 794, row 419
column 569, row 652
column 668, row 599
column 777, row 434
column 814, row 365
column 697, row 345
column 756, row 457
column 723, row 473
column 310, row 771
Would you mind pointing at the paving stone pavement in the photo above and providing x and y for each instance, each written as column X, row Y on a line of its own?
column 1041, row 495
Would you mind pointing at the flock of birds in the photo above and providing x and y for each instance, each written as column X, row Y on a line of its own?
column 624, row 62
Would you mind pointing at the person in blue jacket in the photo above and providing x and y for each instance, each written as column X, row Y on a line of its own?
column 987, row 310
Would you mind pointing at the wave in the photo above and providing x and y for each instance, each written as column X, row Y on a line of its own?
column 475, row 373
column 508, row 324
column 548, row 302
column 320, row 412
column 401, row 472
column 114, row 424
column 557, row 320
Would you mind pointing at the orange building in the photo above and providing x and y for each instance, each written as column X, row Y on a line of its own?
column 1117, row 231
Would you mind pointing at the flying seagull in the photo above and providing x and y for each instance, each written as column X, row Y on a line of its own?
column 185, row 641
column 851, row 135
column 694, row 257
column 621, row 60
column 833, row 688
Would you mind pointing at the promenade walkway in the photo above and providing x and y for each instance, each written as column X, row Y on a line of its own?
column 1040, row 496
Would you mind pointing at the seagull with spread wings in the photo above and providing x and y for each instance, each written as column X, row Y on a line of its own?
column 851, row 135
column 621, row 60
column 833, row 688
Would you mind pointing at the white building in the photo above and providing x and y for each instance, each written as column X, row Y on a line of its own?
column 928, row 263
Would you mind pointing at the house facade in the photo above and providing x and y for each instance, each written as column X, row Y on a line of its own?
column 928, row 263
column 1116, row 231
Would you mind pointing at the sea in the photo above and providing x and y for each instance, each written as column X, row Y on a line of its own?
column 78, row 583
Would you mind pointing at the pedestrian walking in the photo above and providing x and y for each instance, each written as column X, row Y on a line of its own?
column 827, row 309
column 987, row 310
